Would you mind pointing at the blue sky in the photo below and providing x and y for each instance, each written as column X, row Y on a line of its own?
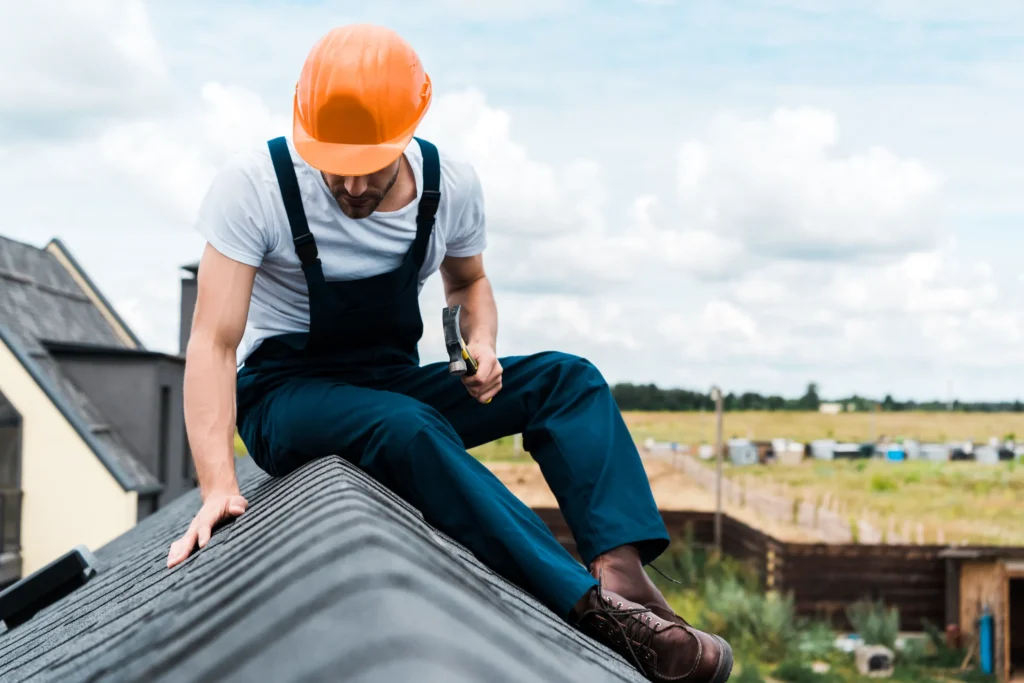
column 758, row 194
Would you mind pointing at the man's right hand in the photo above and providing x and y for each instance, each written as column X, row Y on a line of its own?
column 216, row 508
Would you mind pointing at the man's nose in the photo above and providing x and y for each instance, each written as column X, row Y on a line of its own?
column 355, row 185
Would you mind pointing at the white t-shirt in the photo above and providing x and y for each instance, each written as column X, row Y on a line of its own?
column 243, row 217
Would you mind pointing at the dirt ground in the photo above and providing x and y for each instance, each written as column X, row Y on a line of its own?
column 672, row 490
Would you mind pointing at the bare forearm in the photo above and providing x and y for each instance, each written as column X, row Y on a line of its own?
column 479, row 314
column 209, row 394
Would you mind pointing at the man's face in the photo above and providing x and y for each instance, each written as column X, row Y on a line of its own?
column 359, row 196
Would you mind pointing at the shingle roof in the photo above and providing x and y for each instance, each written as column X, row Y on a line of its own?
column 39, row 299
column 41, row 302
column 327, row 576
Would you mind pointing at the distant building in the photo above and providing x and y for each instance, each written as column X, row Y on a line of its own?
column 92, row 435
column 989, row 582
column 830, row 408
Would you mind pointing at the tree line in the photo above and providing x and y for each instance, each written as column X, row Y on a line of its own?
column 650, row 397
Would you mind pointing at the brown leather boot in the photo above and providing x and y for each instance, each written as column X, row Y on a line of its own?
column 621, row 572
column 661, row 650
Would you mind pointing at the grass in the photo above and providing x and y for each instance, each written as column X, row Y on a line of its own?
column 697, row 427
column 968, row 501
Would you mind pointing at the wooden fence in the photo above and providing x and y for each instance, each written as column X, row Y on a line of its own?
column 823, row 578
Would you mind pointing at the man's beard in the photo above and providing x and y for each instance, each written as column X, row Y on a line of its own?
column 366, row 203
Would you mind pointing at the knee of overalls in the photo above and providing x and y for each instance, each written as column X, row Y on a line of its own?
column 569, row 372
column 403, row 422
column 307, row 420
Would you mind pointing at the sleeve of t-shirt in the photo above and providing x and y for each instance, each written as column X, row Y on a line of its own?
column 468, row 236
column 231, row 216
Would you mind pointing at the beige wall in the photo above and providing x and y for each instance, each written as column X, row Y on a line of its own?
column 69, row 497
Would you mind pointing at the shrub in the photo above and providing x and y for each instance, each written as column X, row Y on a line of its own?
column 748, row 673
column 763, row 625
column 942, row 656
column 817, row 640
column 795, row 671
column 693, row 566
column 874, row 622
column 881, row 483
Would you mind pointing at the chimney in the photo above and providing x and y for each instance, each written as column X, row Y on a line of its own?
column 188, row 304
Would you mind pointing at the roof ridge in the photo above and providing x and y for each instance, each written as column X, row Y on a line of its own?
column 5, row 238
column 87, row 284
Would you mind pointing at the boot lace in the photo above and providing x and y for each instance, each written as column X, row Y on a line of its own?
column 663, row 574
column 639, row 630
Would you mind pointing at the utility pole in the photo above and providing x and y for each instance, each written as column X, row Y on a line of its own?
column 716, row 396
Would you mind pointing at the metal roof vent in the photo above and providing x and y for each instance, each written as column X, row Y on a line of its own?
column 46, row 586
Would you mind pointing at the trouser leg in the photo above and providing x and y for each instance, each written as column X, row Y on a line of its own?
column 572, row 427
column 413, row 450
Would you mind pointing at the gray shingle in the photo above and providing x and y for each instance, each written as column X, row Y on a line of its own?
column 39, row 298
column 327, row 576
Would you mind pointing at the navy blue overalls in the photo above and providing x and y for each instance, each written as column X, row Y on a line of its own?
column 353, row 386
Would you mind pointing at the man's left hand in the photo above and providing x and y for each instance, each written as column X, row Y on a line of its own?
column 486, row 383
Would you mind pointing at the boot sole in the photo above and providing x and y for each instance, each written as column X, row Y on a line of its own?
column 725, row 664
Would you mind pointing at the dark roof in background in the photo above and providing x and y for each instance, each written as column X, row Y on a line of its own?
column 326, row 577
column 40, row 302
column 96, row 290
column 60, row 349
column 39, row 299
column 192, row 267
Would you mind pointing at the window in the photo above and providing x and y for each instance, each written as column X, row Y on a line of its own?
column 10, row 445
column 10, row 476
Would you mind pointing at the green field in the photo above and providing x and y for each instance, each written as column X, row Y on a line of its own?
column 967, row 501
column 693, row 428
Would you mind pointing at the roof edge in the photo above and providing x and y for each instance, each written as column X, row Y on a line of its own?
column 74, row 348
column 76, row 422
column 108, row 310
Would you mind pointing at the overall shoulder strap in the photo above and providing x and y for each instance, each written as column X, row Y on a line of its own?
column 429, row 199
column 305, row 246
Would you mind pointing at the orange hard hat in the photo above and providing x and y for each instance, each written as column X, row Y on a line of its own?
column 361, row 94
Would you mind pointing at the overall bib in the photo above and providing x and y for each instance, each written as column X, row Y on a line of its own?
column 353, row 386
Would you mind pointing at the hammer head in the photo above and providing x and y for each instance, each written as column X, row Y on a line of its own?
column 453, row 340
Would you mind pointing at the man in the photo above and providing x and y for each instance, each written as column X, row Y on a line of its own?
column 305, row 336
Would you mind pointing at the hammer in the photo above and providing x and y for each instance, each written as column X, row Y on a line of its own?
column 459, row 360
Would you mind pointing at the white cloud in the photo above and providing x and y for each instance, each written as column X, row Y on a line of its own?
column 523, row 9
column 782, row 252
column 66, row 64
column 781, row 186
column 525, row 197
column 174, row 159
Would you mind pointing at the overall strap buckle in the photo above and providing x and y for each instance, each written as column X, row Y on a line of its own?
column 305, row 248
column 429, row 201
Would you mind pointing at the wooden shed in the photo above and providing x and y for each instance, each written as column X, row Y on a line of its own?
column 992, row 578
